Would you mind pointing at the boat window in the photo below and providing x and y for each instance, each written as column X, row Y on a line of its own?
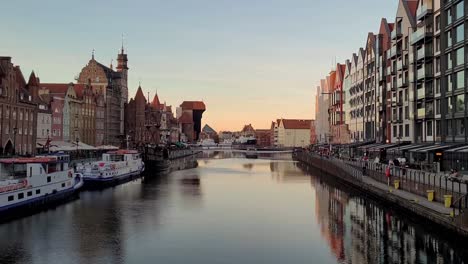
column 16, row 171
column 49, row 179
column 30, row 193
column 63, row 185
column 38, row 191
column 20, row 196
column 30, row 171
column 11, row 198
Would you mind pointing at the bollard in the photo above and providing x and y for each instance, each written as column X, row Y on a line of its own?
column 447, row 200
column 430, row 195
column 396, row 183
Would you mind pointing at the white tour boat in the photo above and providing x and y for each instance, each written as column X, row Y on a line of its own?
column 27, row 184
column 115, row 166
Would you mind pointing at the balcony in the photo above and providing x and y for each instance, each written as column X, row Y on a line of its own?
column 390, row 71
column 424, row 73
column 394, row 51
column 393, row 85
column 396, row 33
column 421, row 113
column 423, row 33
column 421, row 93
column 423, row 11
column 402, row 83
column 401, row 65
column 424, row 53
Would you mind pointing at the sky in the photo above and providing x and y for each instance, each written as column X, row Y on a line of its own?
column 250, row 61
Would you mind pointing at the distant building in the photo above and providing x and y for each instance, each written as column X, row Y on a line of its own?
column 209, row 133
column 189, row 117
column 263, row 137
column 293, row 132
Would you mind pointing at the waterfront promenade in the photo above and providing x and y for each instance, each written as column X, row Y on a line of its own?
column 411, row 194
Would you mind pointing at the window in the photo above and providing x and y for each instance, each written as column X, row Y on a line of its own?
column 400, row 132
column 429, row 128
column 460, row 56
column 437, row 127
column 460, row 76
column 20, row 196
column 11, row 198
column 63, row 185
column 49, row 179
column 437, row 84
column 449, row 39
column 38, row 191
column 407, row 130
column 459, row 33
column 460, row 127
column 406, row 112
column 449, row 16
column 437, row 106
column 459, row 10
column 449, row 105
column 449, row 61
column 460, row 103
column 449, row 83
column 29, row 193
column 394, row 131
column 437, row 23
column 437, row 65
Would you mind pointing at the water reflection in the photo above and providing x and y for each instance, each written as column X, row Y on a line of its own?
column 225, row 211
column 359, row 230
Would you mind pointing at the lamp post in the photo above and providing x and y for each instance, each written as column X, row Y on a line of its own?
column 48, row 141
column 15, row 130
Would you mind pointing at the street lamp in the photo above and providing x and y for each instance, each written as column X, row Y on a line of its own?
column 15, row 130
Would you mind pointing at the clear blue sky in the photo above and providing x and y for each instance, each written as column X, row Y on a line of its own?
column 251, row 61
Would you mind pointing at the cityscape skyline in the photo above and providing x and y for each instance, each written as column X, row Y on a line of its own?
column 218, row 52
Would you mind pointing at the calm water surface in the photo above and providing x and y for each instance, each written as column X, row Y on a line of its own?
column 228, row 210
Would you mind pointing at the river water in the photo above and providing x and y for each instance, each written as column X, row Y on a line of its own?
column 228, row 210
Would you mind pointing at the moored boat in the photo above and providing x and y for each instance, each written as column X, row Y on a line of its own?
column 30, row 184
column 251, row 154
column 115, row 167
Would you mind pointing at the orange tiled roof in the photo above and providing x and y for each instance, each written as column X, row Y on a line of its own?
column 56, row 88
column 193, row 105
column 296, row 123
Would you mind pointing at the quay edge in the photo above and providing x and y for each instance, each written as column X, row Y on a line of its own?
column 415, row 210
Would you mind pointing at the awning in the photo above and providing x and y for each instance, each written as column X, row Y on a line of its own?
column 407, row 147
column 381, row 147
column 370, row 146
column 433, row 147
column 359, row 144
column 459, row 149
column 65, row 146
column 107, row 147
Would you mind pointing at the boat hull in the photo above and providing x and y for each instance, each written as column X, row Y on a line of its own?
column 38, row 204
column 99, row 183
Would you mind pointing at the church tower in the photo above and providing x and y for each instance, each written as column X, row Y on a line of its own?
column 122, row 68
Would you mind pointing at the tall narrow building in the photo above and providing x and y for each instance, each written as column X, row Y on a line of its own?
column 113, row 85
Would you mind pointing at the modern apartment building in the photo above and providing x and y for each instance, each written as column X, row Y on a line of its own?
column 322, row 127
column 356, row 97
column 370, row 88
column 402, row 102
column 453, row 66
column 426, row 63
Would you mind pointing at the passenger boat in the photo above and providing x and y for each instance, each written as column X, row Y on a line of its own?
column 115, row 167
column 251, row 154
column 29, row 184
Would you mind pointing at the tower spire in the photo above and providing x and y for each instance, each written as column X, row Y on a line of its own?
column 92, row 55
column 122, row 50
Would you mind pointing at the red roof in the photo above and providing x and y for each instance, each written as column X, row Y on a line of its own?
column 28, row 160
column 193, row 105
column 155, row 103
column 56, row 88
column 296, row 123
column 33, row 80
column 413, row 7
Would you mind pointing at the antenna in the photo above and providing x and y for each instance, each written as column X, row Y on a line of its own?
column 122, row 43
column 93, row 53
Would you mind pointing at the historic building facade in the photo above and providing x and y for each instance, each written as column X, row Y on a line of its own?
column 113, row 85
column 18, row 112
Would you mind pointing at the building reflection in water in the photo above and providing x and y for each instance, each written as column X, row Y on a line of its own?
column 287, row 171
column 358, row 230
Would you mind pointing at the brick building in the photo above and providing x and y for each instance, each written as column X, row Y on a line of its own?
column 18, row 112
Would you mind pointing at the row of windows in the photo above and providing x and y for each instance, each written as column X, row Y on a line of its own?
column 21, row 195
column 28, row 115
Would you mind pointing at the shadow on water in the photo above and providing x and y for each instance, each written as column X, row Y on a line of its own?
column 361, row 230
